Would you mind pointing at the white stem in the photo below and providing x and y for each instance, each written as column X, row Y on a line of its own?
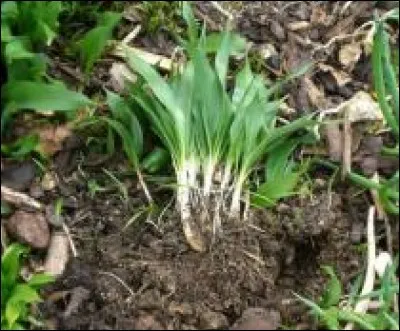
column 183, row 199
column 208, row 177
column 224, row 185
column 247, row 206
column 235, row 205
column 362, row 305
column 191, row 170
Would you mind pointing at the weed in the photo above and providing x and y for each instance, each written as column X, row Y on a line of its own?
column 332, row 312
column 18, row 295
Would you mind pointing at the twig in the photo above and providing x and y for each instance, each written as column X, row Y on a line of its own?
column 164, row 211
column 132, row 35
column 382, row 215
column 19, row 199
column 69, row 237
column 362, row 305
column 347, row 142
column 119, row 280
column 218, row 7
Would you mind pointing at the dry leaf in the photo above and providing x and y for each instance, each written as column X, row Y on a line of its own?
column 315, row 95
column 340, row 76
column 119, row 73
column 153, row 59
column 300, row 25
column 350, row 54
column 51, row 138
column 318, row 15
column 361, row 107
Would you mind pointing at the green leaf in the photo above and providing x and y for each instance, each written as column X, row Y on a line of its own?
column 43, row 97
column 12, row 312
column 92, row 45
column 155, row 160
column 214, row 41
column 18, row 49
column 39, row 280
column 333, row 290
column 10, row 263
column 21, row 148
column 122, row 113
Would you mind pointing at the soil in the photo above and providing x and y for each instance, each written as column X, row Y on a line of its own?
column 146, row 277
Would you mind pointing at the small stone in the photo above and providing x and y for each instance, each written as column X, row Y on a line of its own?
column 277, row 30
column 48, row 182
column 18, row 177
column 211, row 320
column 147, row 322
column 29, row 228
column 258, row 319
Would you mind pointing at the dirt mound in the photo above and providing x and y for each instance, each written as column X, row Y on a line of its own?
column 147, row 278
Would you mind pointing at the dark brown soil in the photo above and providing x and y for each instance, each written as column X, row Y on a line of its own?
column 259, row 263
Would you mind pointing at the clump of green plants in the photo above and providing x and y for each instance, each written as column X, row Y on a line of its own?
column 215, row 137
column 18, row 295
column 93, row 43
column 27, row 29
column 334, row 312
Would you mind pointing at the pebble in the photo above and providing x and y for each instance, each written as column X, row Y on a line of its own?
column 211, row 320
column 18, row 177
column 29, row 228
column 258, row 319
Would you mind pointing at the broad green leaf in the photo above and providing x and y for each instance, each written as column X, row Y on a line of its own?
column 39, row 280
column 10, row 263
column 24, row 293
column 22, row 147
column 12, row 313
column 9, row 10
column 333, row 289
column 17, row 49
column 92, row 45
column 43, row 97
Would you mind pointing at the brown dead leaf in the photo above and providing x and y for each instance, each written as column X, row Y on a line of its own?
column 120, row 73
column 340, row 76
column 335, row 141
column 315, row 95
column 297, row 26
column 318, row 15
column 362, row 107
column 350, row 54
column 51, row 138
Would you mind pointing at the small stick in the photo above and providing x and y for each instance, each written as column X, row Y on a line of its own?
column 362, row 305
column 347, row 142
column 217, row 6
column 19, row 199
column 132, row 35
column 119, row 280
